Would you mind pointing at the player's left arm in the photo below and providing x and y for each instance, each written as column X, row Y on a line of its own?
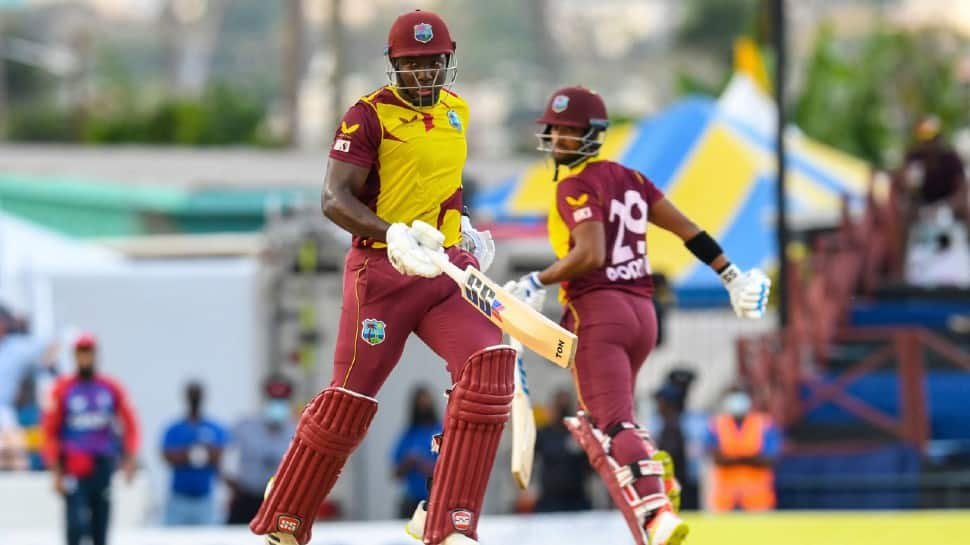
column 665, row 215
column 749, row 290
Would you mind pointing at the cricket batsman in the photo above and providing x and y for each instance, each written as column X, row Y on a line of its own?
column 597, row 227
column 397, row 157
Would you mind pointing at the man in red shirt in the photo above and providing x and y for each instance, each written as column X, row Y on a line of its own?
column 597, row 227
column 89, row 428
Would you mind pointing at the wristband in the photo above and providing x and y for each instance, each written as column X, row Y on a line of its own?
column 704, row 247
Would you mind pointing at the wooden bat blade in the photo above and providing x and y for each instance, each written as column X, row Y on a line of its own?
column 512, row 315
column 523, row 425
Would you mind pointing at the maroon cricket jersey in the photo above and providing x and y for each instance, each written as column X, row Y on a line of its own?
column 620, row 198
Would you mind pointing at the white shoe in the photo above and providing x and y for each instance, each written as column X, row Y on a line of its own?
column 280, row 538
column 415, row 526
column 458, row 539
column 666, row 528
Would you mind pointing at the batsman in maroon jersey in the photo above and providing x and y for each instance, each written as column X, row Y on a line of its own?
column 394, row 182
column 597, row 227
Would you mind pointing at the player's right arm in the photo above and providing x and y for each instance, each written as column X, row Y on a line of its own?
column 344, row 182
column 352, row 158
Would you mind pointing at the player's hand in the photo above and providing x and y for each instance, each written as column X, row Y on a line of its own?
column 477, row 243
column 407, row 247
column 749, row 291
column 529, row 289
column 129, row 467
column 60, row 484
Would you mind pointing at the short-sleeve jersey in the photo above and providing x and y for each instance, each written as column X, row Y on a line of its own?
column 415, row 156
column 620, row 198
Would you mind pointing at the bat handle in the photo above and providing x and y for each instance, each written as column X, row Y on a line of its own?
column 449, row 268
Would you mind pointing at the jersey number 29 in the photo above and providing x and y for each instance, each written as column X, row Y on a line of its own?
column 632, row 216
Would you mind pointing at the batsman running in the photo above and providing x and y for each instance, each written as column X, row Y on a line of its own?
column 597, row 227
column 397, row 158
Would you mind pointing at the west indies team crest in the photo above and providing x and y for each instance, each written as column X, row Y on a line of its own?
column 423, row 32
column 454, row 120
column 372, row 331
column 560, row 103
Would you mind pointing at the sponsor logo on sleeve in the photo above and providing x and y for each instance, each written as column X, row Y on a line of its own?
column 578, row 201
column 344, row 129
column 582, row 214
column 341, row 144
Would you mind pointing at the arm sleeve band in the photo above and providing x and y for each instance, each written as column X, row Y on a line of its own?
column 704, row 247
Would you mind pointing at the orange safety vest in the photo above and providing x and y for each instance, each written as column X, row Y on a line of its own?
column 751, row 488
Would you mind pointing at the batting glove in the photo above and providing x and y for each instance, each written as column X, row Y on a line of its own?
column 407, row 247
column 748, row 290
column 478, row 243
column 529, row 289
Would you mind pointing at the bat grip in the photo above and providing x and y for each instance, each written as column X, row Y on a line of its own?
column 449, row 268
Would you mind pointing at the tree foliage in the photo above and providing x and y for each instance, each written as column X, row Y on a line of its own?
column 864, row 94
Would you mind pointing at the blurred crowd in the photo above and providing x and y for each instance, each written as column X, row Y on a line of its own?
column 934, row 205
column 80, row 425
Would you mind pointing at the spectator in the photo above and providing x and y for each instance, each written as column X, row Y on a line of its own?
column 28, row 417
column 670, row 405
column 259, row 443
column 193, row 447
column 933, row 173
column 20, row 355
column 563, row 468
column 413, row 460
column 13, row 444
column 88, row 428
column 743, row 445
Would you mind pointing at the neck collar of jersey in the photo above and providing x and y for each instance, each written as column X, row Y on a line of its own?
column 576, row 169
column 397, row 93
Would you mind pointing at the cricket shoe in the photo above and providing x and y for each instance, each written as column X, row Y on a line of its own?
column 280, row 538
column 415, row 526
column 458, row 539
column 671, row 486
column 666, row 528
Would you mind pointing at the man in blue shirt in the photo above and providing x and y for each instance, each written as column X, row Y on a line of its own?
column 193, row 447
column 412, row 458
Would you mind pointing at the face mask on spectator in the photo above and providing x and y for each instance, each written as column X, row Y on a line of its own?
column 737, row 404
column 277, row 411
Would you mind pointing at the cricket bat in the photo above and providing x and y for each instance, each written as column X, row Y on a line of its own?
column 511, row 314
column 523, row 424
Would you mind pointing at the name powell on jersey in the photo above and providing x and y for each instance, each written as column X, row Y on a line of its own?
column 633, row 270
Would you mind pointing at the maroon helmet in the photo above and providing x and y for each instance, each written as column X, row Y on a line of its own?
column 576, row 107
column 418, row 34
